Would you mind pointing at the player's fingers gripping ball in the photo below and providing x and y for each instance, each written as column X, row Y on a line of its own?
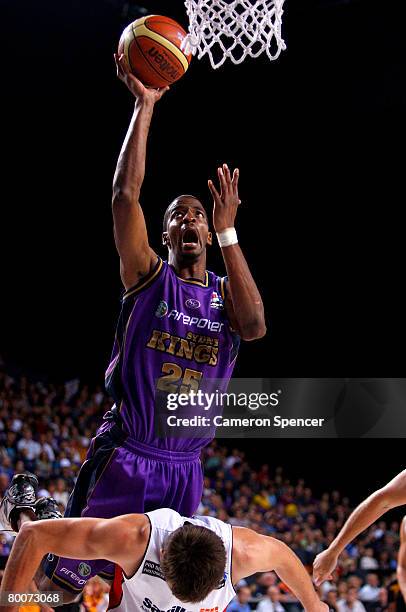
column 152, row 48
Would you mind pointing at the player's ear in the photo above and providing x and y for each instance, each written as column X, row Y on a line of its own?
column 165, row 239
column 209, row 238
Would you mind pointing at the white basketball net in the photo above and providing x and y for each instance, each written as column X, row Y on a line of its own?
column 234, row 29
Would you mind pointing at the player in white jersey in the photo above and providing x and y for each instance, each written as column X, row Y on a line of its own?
column 169, row 562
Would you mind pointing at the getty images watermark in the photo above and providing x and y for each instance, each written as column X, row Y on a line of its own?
column 213, row 410
column 280, row 407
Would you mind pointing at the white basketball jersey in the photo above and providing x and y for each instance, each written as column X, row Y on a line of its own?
column 147, row 590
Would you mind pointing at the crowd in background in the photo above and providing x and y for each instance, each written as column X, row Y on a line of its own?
column 46, row 429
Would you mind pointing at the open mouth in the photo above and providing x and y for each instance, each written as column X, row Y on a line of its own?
column 190, row 238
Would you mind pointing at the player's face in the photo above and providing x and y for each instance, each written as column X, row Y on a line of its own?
column 187, row 229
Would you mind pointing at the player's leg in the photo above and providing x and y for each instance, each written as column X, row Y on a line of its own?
column 172, row 480
column 109, row 484
column 186, row 487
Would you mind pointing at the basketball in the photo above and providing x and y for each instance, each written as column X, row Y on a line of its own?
column 152, row 47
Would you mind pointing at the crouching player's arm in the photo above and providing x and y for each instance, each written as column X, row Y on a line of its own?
column 118, row 540
column 254, row 553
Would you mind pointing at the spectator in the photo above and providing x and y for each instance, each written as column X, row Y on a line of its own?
column 271, row 602
column 60, row 494
column 240, row 603
column 371, row 590
column 6, row 467
column 27, row 447
column 382, row 604
column 331, row 600
column 10, row 446
column 4, row 482
column 368, row 562
column 350, row 603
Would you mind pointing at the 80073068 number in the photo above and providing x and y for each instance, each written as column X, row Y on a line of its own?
column 10, row 598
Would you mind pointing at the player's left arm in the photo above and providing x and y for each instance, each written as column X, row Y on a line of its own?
column 254, row 553
column 248, row 318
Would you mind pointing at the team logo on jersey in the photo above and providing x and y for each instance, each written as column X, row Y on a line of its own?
column 216, row 301
column 84, row 569
column 191, row 303
column 162, row 309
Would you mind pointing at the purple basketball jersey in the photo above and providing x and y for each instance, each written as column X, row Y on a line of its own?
column 172, row 335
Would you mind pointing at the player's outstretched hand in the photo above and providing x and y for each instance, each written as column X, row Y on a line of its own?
column 134, row 85
column 323, row 566
column 227, row 201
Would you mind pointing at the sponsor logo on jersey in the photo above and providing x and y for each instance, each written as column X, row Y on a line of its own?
column 162, row 309
column 147, row 604
column 200, row 323
column 84, row 569
column 216, row 609
column 152, row 569
column 50, row 557
column 192, row 303
column 216, row 301
column 73, row 576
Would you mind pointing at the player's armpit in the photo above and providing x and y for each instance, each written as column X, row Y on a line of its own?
column 122, row 540
column 249, row 554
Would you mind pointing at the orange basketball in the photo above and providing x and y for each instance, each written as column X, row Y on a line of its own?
column 152, row 46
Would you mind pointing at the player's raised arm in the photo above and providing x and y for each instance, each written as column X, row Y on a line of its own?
column 248, row 319
column 130, row 232
column 121, row 540
column 254, row 553
column 391, row 495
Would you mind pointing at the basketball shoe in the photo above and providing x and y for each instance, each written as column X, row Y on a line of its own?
column 20, row 496
column 47, row 508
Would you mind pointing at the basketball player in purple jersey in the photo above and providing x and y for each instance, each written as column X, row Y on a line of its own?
column 177, row 329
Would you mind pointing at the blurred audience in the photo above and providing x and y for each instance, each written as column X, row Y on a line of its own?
column 240, row 602
column 46, row 428
column 350, row 603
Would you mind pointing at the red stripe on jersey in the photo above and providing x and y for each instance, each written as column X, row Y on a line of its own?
column 116, row 591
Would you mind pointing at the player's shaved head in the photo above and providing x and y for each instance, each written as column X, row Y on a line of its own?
column 193, row 562
column 179, row 201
